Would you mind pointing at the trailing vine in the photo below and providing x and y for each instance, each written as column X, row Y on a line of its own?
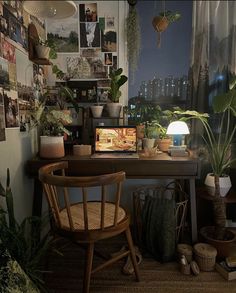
column 133, row 39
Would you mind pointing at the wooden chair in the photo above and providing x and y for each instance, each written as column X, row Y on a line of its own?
column 87, row 221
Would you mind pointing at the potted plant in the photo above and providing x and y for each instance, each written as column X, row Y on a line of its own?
column 114, row 93
column 24, row 245
column 218, row 146
column 97, row 108
column 161, row 22
column 42, row 48
column 51, row 123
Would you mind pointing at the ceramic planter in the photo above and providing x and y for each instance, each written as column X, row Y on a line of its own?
column 96, row 110
column 42, row 51
column 149, row 143
column 51, row 147
column 114, row 110
column 225, row 184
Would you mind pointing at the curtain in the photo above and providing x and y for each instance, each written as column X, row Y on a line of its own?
column 212, row 60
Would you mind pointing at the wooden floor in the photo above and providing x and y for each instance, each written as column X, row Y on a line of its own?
column 66, row 274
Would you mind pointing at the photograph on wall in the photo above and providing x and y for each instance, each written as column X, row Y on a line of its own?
column 14, row 29
column 110, row 22
column 88, row 12
column 26, row 104
column 2, row 117
column 4, row 21
column 4, row 74
column 90, row 52
column 90, row 34
column 8, row 51
column 84, row 68
column 108, row 58
column 109, row 41
column 11, row 108
column 39, row 80
column 64, row 34
column 114, row 63
column 1, row 42
column 12, row 75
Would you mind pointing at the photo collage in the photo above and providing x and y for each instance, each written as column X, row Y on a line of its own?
column 93, row 42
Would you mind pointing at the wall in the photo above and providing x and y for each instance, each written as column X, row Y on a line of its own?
column 21, row 146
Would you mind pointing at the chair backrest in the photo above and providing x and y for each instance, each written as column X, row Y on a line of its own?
column 58, row 186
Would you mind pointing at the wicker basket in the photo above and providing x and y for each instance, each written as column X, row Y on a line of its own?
column 139, row 196
column 205, row 256
column 186, row 250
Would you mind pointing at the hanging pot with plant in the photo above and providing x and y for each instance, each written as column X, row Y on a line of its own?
column 162, row 21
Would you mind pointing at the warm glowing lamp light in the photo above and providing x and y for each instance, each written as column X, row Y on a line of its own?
column 50, row 9
column 177, row 129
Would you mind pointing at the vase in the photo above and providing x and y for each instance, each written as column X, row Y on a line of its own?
column 225, row 184
column 149, row 143
column 51, row 147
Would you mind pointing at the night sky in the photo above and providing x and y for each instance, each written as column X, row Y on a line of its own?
column 174, row 55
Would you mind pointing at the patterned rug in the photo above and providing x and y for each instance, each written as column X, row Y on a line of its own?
column 66, row 275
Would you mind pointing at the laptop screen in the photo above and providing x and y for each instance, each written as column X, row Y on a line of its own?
column 117, row 139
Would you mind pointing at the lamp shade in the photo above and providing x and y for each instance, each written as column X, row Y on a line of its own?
column 50, row 9
column 177, row 127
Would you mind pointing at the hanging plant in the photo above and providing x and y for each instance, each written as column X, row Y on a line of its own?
column 133, row 37
column 161, row 22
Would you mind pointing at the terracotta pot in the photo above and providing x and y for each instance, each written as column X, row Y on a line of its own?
column 164, row 144
column 160, row 23
column 42, row 51
column 224, row 247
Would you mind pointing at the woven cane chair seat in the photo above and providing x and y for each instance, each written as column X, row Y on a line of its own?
column 94, row 216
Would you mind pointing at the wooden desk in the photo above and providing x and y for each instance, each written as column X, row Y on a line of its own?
column 161, row 167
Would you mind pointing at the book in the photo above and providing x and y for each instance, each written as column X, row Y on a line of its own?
column 229, row 273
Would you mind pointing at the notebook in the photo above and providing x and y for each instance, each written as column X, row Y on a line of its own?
column 115, row 142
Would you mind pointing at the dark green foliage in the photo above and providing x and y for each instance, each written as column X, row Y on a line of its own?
column 22, row 240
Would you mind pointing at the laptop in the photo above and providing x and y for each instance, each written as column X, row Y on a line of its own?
column 114, row 142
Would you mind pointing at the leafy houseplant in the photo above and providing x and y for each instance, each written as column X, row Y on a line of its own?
column 117, row 79
column 22, row 240
column 218, row 146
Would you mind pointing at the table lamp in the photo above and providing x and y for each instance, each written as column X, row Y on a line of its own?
column 177, row 129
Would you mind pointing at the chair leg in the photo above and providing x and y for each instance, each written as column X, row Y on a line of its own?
column 132, row 253
column 88, row 267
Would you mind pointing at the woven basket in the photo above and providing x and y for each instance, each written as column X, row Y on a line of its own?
column 186, row 250
column 205, row 256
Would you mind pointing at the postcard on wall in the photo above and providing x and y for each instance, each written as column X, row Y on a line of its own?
column 8, row 51
column 88, row 12
column 64, row 34
column 11, row 109
column 109, row 41
column 90, row 52
column 102, row 94
column 110, row 22
column 2, row 117
column 84, row 68
column 108, row 59
column 4, row 74
column 12, row 75
column 90, row 35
